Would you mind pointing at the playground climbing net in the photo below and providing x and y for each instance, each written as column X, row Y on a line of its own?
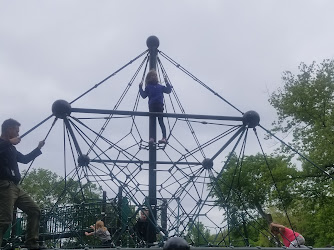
column 111, row 148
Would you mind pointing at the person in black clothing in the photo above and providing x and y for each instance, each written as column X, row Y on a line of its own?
column 11, row 194
column 141, row 226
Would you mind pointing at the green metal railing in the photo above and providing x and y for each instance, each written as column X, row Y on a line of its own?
column 65, row 226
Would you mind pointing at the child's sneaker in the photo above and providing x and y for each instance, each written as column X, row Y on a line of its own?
column 151, row 140
column 163, row 141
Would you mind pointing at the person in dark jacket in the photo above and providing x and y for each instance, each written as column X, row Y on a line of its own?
column 155, row 93
column 11, row 194
column 141, row 226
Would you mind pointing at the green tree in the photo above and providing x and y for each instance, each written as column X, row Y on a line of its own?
column 248, row 188
column 47, row 188
column 305, row 108
column 40, row 184
column 198, row 235
column 255, row 184
column 65, row 204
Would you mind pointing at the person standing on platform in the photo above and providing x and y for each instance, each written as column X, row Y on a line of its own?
column 155, row 93
column 11, row 194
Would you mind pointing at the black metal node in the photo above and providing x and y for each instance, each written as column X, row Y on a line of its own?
column 61, row 109
column 207, row 163
column 83, row 160
column 176, row 243
column 152, row 42
column 251, row 119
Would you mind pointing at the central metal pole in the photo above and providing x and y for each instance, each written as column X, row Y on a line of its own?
column 152, row 44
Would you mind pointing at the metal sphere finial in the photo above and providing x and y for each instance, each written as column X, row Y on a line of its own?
column 207, row 163
column 251, row 119
column 152, row 42
column 83, row 160
column 61, row 109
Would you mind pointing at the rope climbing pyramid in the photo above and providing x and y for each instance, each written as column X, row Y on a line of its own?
column 175, row 181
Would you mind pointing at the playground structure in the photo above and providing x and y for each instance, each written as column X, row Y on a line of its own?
column 173, row 181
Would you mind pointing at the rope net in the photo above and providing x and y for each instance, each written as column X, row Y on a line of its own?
column 112, row 151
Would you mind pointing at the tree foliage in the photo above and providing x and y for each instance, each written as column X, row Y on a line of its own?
column 305, row 108
column 198, row 235
column 300, row 198
column 258, row 186
column 47, row 188
column 77, row 207
column 255, row 184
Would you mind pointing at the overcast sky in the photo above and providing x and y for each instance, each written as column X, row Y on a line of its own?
column 52, row 50
column 59, row 49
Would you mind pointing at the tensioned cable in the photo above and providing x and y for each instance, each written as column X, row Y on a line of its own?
column 83, row 135
column 39, row 124
column 211, row 141
column 240, row 159
column 76, row 169
column 128, row 192
column 228, row 159
column 135, row 107
column 64, row 154
column 65, row 179
column 196, row 79
column 161, row 70
column 108, row 77
column 242, row 202
column 120, row 99
column 182, row 110
column 219, row 175
column 241, row 156
column 245, row 209
column 113, row 145
column 26, row 172
column 165, row 106
column 296, row 151
column 95, row 86
column 276, row 187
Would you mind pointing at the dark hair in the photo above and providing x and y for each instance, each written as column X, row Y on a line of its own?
column 7, row 124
